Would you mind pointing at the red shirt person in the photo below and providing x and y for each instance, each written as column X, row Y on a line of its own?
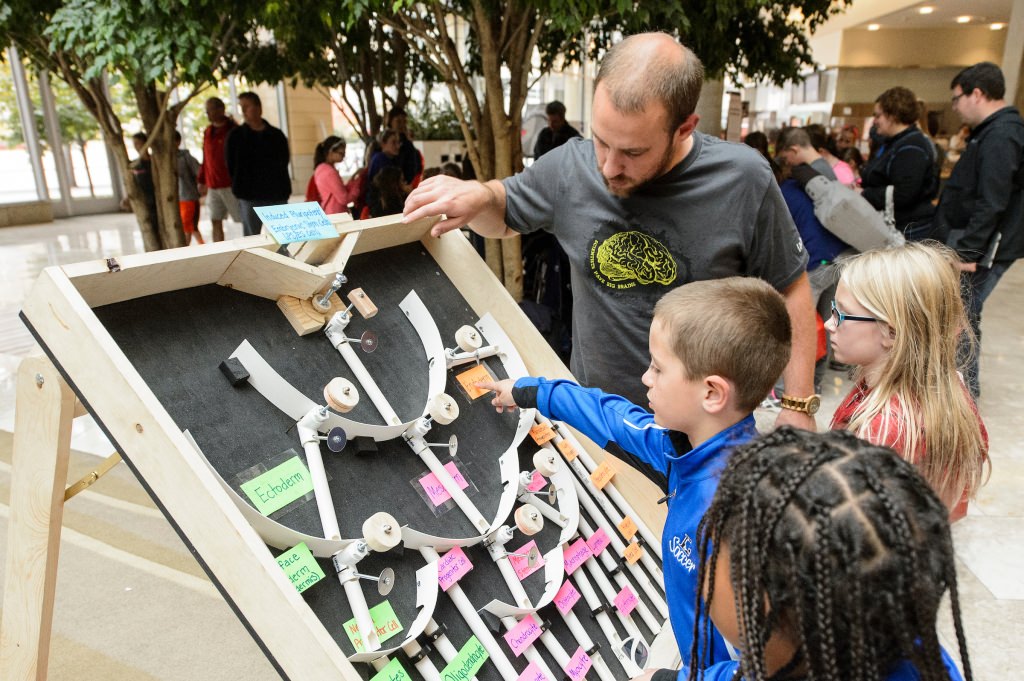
column 214, row 179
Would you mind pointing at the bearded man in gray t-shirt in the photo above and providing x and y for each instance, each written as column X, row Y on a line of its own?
column 647, row 205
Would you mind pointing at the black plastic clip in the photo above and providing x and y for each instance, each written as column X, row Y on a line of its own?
column 113, row 265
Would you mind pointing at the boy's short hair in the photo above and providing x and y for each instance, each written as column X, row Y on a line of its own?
column 794, row 137
column 737, row 328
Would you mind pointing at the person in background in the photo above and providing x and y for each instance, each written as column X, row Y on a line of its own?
column 558, row 131
column 794, row 148
column 854, row 159
column 390, row 147
column 142, row 176
column 214, row 178
column 332, row 193
column 848, row 138
column 359, row 185
column 759, row 140
column 257, row 156
column 409, row 158
column 188, row 192
column 826, row 146
column 905, row 161
column 388, row 193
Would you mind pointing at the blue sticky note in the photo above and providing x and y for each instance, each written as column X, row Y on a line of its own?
column 292, row 222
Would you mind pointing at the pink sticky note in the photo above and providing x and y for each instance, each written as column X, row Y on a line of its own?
column 625, row 601
column 522, row 635
column 520, row 563
column 452, row 567
column 566, row 597
column 533, row 673
column 598, row 541
column 435, row 490
column 578, row 666
column 575, row 554
column 537, row 482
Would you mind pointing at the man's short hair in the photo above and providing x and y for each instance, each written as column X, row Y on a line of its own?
column 984, row 76
column 555, row 108
column 899, row 104
column 216, row 101
column 635, row 73
column 140, row 137
column 737, row 328
column 252, row 97
column 794, row 137
column 392, row 114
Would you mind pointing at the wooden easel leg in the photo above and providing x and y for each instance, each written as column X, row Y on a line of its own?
column 44, row 410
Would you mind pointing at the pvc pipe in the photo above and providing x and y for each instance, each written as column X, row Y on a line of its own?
column 530, row 653
column 366, row 382
column 459, row 358
column 307, row 428
column 427, row 456
column 605, row 622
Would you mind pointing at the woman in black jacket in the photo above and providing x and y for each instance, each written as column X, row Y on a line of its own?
column 907, row 162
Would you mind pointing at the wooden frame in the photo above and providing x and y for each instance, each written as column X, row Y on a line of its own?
column 92, row 366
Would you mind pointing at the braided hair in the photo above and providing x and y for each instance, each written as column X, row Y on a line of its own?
column 837, row 545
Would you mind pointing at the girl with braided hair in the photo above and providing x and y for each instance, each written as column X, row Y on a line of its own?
column 825, row 557
column 898, row 316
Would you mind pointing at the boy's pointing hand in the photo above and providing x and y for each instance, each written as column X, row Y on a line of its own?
column 502, row 394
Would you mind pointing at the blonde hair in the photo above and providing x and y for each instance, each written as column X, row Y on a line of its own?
column 915, row 290
column 737, row 328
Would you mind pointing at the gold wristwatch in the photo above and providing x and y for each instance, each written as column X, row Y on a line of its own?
column 808, row 405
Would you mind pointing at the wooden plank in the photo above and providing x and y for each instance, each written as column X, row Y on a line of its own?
column 388, row 231
column 42, row 446
column 182, row 484
column 463, row 266
column 271, row 275
column 145, row 274
column 317, row 252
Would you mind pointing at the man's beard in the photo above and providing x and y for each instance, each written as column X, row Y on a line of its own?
column 626, row 186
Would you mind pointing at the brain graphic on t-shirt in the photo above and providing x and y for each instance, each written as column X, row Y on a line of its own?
column 634, row 256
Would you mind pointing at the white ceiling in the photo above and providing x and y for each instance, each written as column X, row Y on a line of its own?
column 945, row 14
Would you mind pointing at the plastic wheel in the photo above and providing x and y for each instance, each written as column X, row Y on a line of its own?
column 468, row 339
column 529, row 520
column 341, row 395
column 382, row 532
column 443, row 409
column 545, row 463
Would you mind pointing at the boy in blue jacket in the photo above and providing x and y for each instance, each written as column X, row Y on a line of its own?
column 717, row 348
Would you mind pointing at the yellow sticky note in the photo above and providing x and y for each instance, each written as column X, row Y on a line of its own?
column 469, row 378
column 602, row 475
column 542, row 433
column 301, row 567
column 627, row 528
column 633, row 553
column 568, row 451
column 384, row 619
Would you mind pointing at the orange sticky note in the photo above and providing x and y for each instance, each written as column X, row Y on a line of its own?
column 632, row 553
column 627, row 528
column 469, row 378
column 568, row 451
column 542, row 433
column 602, row 475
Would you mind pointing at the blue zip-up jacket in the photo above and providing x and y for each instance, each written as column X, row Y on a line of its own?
column 692, row 479
column 903, row 671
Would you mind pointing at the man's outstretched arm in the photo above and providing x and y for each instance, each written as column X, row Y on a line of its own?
column 480, row 205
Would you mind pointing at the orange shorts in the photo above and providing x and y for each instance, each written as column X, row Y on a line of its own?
column 189, row 216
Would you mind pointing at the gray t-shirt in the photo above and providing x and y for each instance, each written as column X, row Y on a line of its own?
column 718, row 213
column 822, row 166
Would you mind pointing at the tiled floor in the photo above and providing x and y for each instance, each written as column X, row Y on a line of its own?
column 132, row 603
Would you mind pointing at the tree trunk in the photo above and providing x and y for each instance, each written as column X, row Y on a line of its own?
column 159, row 122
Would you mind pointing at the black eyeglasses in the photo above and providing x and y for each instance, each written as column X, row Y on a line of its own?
column 956, row 97
column 840, row 317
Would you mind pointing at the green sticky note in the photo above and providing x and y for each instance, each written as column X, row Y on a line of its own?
column 393, row 671
column 279, row 486
column 301, row 567
column 467, row 663
column 384, row 618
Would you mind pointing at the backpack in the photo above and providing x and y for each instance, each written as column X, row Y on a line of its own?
column 846, row 213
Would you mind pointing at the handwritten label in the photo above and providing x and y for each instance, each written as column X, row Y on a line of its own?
column 628, row 528
column 542, row 433
column 568, row 451
column 537, row 482
column 602, row 475
column 566, row 597
column 575, row 555
column 436, row 492
column 301, row 567
column 521, row 564
column 578, row 666
column 452, row 567
column 633, row 553
column 293, row 222
column 467, row 663
column 521, row 636
column 280, row 486
column 392, row 671
column 384, row 619
column 531, row 673
column 625, row 601
column 470, row 378
column 598, row 542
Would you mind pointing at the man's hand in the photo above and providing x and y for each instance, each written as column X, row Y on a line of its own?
column 202, row 189
column 502, row 394
column 797, row 419
column 459, row 201
column 968, row 266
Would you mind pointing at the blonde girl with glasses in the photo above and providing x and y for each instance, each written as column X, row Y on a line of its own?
column 897, row 316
